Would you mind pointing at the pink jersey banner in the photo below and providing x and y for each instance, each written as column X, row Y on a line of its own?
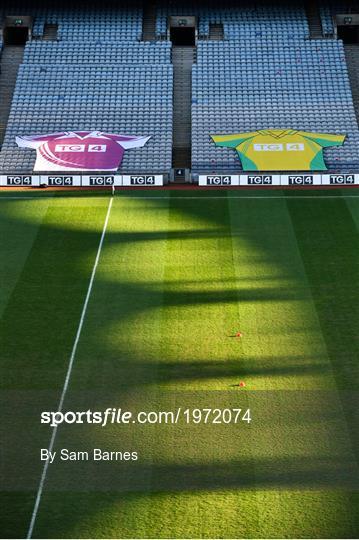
column 79, row 150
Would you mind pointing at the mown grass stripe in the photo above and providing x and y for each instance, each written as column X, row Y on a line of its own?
column 17, row 237
column 36, row 334
column 69, row 369
column 328, row 242
column 353, row 206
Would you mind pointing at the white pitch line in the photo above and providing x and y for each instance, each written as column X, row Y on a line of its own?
column 69, row 370
column 252, row 197
column 41, row 197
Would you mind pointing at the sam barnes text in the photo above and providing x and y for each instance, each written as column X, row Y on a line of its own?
column 97, row 454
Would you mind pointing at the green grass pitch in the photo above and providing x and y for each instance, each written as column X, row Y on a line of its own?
column 179, row 273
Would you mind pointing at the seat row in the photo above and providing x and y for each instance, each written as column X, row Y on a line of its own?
column 74, row 52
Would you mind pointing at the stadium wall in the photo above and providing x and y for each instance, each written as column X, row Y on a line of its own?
column 203, row 180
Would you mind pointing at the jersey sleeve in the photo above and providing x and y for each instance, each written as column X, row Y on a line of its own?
column 34, row 141
column 134, row 142
column 325, row 139
column 231, row 141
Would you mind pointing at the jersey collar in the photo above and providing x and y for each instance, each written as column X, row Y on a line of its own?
column 76, row 135
column 277, row 133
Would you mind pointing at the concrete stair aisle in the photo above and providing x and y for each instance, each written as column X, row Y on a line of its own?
column 216, row 32
column 149, row 21
column 50, row 32
column 314, row 21
column 352, row 58
column 11, row 58
column 182, row 59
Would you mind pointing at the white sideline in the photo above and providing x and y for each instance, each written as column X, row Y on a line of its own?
column 254, row 197
column 69, row 370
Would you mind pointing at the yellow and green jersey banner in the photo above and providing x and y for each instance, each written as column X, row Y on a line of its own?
column 280, row 149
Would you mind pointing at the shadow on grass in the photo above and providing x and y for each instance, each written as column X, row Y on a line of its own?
column 138, row 372
column 49, row 297
column 296, row 472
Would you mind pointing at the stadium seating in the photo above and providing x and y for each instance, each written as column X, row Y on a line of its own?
column 82, row 21
column 250, row 20
column 326, row 19
column 69, row 52
column 130, row 99
column 299, row 85
column 97, row 76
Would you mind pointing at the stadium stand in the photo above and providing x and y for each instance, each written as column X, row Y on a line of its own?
column 300, row 86
column 50, row 98
column 116, row 86
column 252, row 20
column 80, row 21
column 254, row 67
